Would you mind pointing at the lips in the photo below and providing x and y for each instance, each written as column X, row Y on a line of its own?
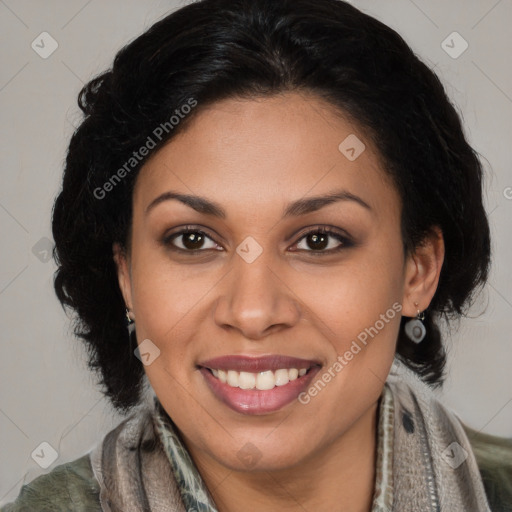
column 247, row 385
column 257, row 364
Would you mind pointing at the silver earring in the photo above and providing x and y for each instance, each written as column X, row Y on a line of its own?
column 414, row 328
column 130, row 323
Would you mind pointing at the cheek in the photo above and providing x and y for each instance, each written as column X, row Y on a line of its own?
column 164, row 292
column 357, row 309
column 353, row 296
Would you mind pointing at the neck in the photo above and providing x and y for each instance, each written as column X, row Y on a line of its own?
column 340, row 476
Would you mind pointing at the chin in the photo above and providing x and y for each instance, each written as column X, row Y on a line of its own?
column 253, row 457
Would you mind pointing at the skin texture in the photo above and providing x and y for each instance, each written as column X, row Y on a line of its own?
column 253, row 157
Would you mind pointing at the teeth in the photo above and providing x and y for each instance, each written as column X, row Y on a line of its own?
column 281, row 377
column 246, row 380
column 265, row 380
column 262, row 380
column 232, row 378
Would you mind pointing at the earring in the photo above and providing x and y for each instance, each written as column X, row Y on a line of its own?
column 130, row 321
column 414, row 328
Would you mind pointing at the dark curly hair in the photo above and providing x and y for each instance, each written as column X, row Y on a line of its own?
column 216, row 49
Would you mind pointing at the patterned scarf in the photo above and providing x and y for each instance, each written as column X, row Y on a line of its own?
column 424, row 459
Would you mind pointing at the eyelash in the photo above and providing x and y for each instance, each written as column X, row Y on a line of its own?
column 345, row 241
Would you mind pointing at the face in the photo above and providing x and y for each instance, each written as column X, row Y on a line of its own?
column 276, row 315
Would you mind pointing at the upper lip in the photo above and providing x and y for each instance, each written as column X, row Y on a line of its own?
column 254, row 364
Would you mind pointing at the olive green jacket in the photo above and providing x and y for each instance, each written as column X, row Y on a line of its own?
column 73, row 487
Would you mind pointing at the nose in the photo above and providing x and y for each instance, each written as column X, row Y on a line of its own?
column 255, row 300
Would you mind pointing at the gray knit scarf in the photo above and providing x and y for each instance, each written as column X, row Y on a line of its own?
column 434, row 469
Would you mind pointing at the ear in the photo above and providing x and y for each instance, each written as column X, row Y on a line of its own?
column 123, row 274
column 422, row 271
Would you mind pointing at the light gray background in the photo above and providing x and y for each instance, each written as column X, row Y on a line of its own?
column 47, row 393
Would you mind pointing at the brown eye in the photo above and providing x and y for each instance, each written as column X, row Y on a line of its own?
column 190, row 240
column 317, row 241
column 320, row 241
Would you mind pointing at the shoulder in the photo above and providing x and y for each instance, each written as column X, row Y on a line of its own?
column 68, row 487
column 494, row 458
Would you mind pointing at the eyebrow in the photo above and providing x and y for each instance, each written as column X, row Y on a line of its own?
column 294, row 209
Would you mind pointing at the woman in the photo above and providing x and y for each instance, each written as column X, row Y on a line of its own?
column 278, row 198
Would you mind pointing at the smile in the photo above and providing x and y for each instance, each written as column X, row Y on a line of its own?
column 257, row 385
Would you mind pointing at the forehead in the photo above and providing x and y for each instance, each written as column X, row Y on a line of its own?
column 268, row 151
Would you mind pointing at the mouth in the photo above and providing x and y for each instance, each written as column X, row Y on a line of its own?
column 258, row 385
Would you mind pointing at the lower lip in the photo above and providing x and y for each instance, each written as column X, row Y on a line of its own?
column 255, row 401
